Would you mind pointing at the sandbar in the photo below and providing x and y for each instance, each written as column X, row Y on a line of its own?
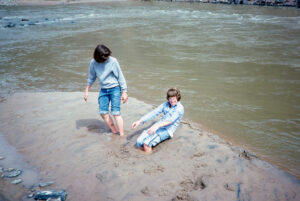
column 65, row 140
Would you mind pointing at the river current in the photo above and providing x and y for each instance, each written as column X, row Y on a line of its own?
column 238, row 67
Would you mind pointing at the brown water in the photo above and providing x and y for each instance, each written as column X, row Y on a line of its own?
column 237, row 66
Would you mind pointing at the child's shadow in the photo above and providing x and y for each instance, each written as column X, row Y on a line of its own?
column 93, row 125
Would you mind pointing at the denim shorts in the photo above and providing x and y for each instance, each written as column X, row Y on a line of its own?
column 152, row 140
column 112, row 96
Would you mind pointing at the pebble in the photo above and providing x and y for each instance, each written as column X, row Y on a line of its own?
column 45, row 195
column 10, row 25
column 11, row 174
column 247, row 155
column 53, row 199
column 30, row 195
column 46, row 184
column 17, row 181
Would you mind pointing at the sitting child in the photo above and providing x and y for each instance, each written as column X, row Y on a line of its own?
column 164, row 128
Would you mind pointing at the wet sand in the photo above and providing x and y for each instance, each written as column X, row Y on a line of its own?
column 64, row 140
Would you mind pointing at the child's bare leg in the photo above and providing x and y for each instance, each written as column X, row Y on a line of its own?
column 147, row 148
column 108, row 120
column 120, row 124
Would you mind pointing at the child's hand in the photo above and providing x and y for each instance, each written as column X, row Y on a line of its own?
column 124, row 97
column 86, row 96
column 135, row 124
column 153, row 129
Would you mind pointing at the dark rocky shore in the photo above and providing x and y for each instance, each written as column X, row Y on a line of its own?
column 286, row 3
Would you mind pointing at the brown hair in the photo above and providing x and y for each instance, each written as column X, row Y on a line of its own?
column 101, row 53
column 174, row 92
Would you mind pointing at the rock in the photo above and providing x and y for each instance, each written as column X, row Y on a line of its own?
column 11, row 174
column 32, row 23
column 45, row 195
column 245, row 154
column 17, row 181
column 42, row 185
column 10, row 25
column 30, row 195
column 2, row 157
column 24, row 19
column 53, row 199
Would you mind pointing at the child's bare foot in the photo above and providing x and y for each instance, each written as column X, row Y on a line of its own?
column 147, row 149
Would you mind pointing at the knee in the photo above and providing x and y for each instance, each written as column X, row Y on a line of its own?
column 139, row 143
column 117, row 116
column 105, row 117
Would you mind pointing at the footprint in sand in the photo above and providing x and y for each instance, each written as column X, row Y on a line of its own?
column 182, row 195
column 124, row 153
column 202, row 165
column 187, row 184
column 230, row 187
column 166, row 189
column 197, row 155
column 198, row 184
column 153, row 170
column 145, row 191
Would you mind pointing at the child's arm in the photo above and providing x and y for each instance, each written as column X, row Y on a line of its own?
column 154, row 113
column 86, row 92
column 156, row 126
column 151, row 115
column 91, row 79
column 92, row 74
column 136, row 124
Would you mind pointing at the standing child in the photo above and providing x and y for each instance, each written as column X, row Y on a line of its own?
column 164, row 128
column 113, row 86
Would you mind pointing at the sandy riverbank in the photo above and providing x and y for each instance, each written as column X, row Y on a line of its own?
column 63, row 138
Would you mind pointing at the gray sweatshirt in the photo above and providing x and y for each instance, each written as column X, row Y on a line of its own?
column 109, row 74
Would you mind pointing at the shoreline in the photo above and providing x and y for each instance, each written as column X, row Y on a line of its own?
column 234, row 143
column 54, row 139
